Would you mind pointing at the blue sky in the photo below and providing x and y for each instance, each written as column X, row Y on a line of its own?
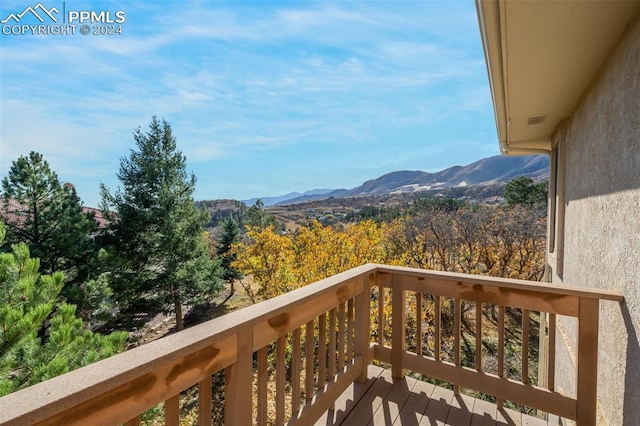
column 264, row 98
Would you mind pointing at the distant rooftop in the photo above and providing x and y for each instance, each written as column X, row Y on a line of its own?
column 16, row 213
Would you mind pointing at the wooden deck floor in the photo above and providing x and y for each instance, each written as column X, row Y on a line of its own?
column 379, row 401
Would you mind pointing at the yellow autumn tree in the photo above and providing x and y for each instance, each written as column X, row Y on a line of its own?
column 279, row 263
column 364, row 244
column 268, row 258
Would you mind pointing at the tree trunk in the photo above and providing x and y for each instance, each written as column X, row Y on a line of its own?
column 178, row 309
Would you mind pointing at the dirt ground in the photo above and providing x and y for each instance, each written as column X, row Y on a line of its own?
column 162, row 325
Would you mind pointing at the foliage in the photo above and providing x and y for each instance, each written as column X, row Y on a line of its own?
column 48, row 217
column 524, row 190
column 446, row 204
column 503, row 242
column 281, row 263
column 320, row 251
column 97, row 296
column 158, row 254
column 257, row 217
column 222, row 210
column 230, row 235
column 268, row 257
column 385, row 214
column 378, row 214
column 40, row 337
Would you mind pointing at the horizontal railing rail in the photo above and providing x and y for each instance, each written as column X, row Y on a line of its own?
column 320, row 339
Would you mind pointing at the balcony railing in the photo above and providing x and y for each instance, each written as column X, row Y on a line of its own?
column 322, row 337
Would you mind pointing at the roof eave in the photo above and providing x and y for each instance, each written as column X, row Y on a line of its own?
column 488, row 21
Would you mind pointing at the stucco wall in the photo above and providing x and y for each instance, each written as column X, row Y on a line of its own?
column 599, row 155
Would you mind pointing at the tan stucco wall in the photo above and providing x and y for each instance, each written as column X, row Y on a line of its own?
column 599, row 157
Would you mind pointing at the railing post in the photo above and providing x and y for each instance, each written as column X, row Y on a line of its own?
column 362, row 324
column 587, row 359
column 397, row 327
column 204, row 402
column 238, row 383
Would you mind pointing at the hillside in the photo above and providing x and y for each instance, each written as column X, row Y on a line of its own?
column 488, row 171
column 271, row 201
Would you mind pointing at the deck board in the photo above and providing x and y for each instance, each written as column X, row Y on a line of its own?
column 437, row 409
column 484, row 413
column 416, row 404
column 389, row 410
column 508, row 417
column 364, row 410
column 411, row 402
column 349, row 398
column 460, row 410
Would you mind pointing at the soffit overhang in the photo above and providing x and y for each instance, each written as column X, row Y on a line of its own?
column 541, row 56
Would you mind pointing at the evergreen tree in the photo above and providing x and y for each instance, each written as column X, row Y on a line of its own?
column 257, row 217
column 27, row 354
column 160, row 257
column 49, row 218
column 230, row 236
column 524, row 190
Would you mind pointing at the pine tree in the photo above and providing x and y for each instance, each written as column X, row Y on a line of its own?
column 49, row 218
column 230, row 236
column 524, row 190
column 257, row 217
column 160, row 256
column 29, row 351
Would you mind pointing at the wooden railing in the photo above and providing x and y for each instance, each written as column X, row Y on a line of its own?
column 520, row 298
column 321, row 339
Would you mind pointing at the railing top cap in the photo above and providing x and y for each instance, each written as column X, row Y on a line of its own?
column 534, row 286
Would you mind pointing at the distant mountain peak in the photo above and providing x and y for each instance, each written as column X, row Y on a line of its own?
column 497, row 169
column 271, row 201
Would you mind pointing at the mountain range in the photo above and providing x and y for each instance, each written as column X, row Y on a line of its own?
column 488, row 171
